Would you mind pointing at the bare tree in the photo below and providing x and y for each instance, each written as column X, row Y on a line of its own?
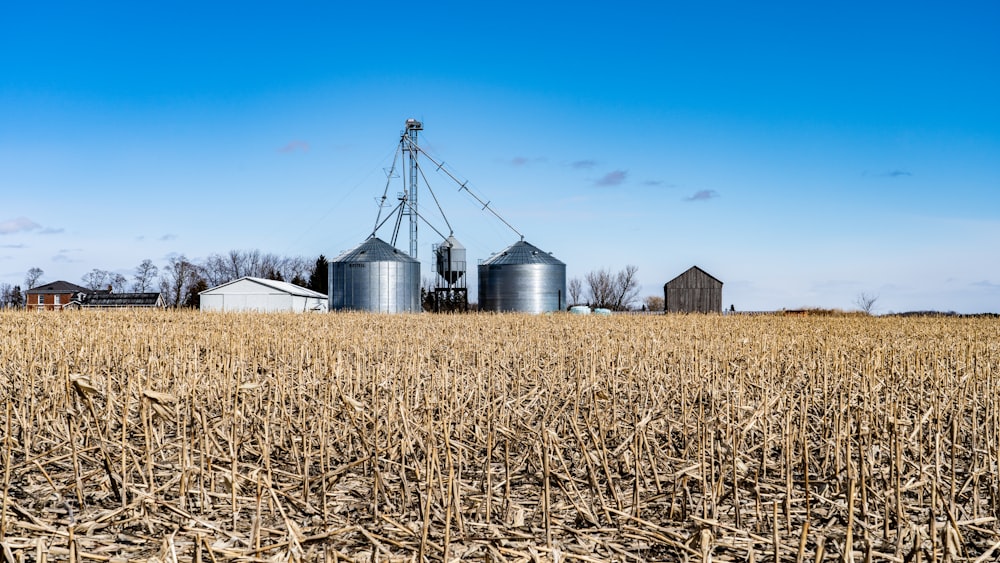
column 6, row 292
column 10, row 296
column 575, row 290
column 96, row 279
column 600, row 288
column 145, row 274
column 654, row 302
column 179, row 276
column 118, row 282
column 33, row 277
column 221, row 268
column 626, row 288
column 866, row 302
column 613, row 291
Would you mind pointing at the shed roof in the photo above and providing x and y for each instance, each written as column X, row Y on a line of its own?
column 273, row 285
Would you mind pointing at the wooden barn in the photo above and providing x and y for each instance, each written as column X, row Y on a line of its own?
column 694, row 291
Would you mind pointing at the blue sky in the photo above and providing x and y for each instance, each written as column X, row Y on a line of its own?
column 801, row 153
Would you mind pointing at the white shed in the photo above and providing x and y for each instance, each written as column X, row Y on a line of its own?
column 258, row 294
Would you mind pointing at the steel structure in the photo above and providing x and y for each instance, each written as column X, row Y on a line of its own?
column 522, row 278
column 412, row 150
column 450, row 293
column 375, row 276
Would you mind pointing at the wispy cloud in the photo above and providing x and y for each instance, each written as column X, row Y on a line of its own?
column 295, row 146
column 584, row 164
column 12, row 246
column 703, row 195
column 168, row 236
column 51, row 231
column 615, row 178
column 524, row 160
column 19, row 225
column 889, row 174
column 986, row 284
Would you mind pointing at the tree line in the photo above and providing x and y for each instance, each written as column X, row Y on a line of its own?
column 181, row 280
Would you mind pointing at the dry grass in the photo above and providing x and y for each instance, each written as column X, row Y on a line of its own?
column 195, row 437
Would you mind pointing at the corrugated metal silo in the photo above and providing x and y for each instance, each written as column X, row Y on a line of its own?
column 451, row 261
column 522, row 278
column 374, row 276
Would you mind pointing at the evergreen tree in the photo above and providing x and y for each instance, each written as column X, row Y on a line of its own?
column 319, row 278
column 193, row 300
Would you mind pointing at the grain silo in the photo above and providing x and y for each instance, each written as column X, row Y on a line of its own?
column 522, row 278
column 375, row 276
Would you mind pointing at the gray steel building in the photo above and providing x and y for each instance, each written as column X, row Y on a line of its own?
column 694, row 291
column 375, row 276
column 522, row 278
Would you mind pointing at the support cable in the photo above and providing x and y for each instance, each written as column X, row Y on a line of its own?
column 465, row 186
column 434, row 195
column 385, row 192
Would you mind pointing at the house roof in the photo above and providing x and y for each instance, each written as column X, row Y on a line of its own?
column 105, row 299
column 280, row 286
column 694, row 269
column 58, row 287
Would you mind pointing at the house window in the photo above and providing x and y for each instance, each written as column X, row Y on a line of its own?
column 58, row 298
column 41, row 299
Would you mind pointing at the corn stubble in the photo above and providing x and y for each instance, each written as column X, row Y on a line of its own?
column 179, row 436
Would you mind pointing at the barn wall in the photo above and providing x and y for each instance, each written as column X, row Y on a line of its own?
column 694, row 291
column 247, row 295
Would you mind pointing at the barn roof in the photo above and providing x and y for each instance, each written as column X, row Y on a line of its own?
column 694, row 270
column 273, row 285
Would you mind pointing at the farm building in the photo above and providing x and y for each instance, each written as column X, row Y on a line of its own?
column 54, row 296
column 694, row 291
column 111, row 300
column 522, row 278
column 258, row 294
column 374, row 276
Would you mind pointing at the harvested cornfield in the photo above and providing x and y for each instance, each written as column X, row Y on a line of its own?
column 178, row 436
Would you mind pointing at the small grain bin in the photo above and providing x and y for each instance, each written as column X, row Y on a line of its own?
column 450, row 258
column 375, row 276
column 522, row 278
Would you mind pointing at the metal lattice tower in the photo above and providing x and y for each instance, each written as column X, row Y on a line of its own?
column 412, row 126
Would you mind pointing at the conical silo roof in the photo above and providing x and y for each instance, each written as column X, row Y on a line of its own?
column 452, row 242
column 521, row 252
column 374, row 250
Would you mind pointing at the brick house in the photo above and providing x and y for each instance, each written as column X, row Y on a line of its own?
column 53, row 296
